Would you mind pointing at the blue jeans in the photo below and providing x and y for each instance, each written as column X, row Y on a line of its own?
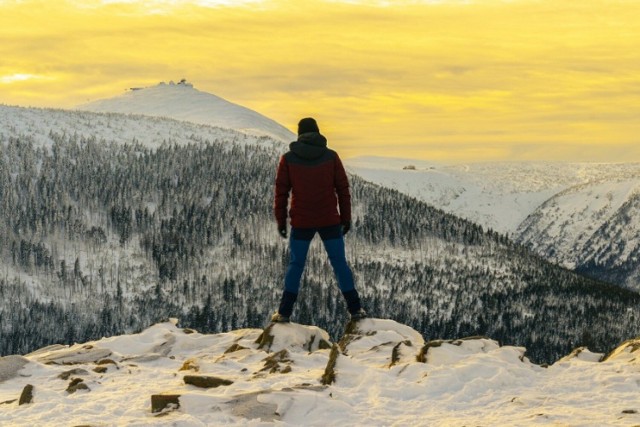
column 334, row 245
column 299, row 247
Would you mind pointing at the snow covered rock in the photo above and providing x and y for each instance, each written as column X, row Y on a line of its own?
column 10, row 365
column 381, row 341
column 628, row 351
column 582, row 353
column 76, row 354
column 279, row 336
column 451, row 351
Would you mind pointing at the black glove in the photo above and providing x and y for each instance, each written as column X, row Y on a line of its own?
column 346, row 226
column 282, row 230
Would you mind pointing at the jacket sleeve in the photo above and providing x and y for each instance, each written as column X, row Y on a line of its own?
column 341, row 183
column 283, row 187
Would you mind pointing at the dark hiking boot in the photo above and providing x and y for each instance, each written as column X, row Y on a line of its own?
column 359, row 315
column 279, row 318
column 353, row 301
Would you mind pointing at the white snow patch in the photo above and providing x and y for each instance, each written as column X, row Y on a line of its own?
column 463, row 382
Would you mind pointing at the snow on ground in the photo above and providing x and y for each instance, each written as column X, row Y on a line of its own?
column 380, row 373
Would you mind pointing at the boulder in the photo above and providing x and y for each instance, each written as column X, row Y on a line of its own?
column 203, row 381
column 27, row 395
column 164, row 402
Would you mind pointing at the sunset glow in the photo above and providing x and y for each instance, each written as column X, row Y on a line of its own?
column 438, row 80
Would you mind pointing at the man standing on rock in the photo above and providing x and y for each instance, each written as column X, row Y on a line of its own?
column 318, row 184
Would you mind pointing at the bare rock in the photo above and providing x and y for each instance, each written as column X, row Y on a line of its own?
column 205, row 381
column 272, row 363
column 190, row 365
column 164, row 402
column 27, row 395
column 77, row 384
column 76, row 371
column 329, row 375
column 235, row 347
column 265, row 340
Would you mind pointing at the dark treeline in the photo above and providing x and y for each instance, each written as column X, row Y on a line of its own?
column 98, row 238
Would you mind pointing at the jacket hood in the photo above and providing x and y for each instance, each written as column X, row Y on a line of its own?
column 310, row 145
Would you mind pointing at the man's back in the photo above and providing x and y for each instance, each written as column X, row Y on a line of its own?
column 317, row 181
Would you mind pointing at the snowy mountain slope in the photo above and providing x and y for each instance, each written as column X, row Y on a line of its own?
column 560, row 210
column 182, row 101
column 490, row 196
column 42, row 126
column 380, row 373
column 561, row 226
column 499, row 196
column 616, row 243
column 174, row 221
column 592, row 228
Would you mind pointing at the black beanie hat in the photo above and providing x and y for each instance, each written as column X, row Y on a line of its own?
column 307, row 125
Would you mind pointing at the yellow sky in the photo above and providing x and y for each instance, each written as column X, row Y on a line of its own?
column 447, row 80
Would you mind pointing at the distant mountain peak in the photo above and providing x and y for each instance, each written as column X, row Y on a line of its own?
column 182, row 101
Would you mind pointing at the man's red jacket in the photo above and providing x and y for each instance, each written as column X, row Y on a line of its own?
column 318, row 184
